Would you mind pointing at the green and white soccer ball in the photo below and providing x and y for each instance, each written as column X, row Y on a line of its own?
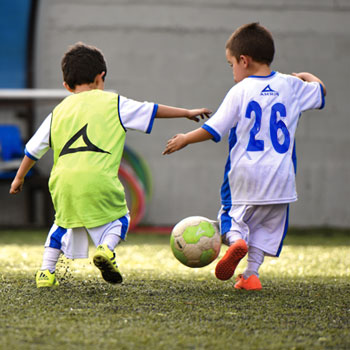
column 195, row 241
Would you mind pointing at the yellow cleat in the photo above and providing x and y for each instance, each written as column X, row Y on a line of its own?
column 46, row 279
column 104, row 260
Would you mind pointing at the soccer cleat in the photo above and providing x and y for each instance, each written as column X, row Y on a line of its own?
column 104, row 260
column 226, row 267
column 44, row 278
column 251, row 283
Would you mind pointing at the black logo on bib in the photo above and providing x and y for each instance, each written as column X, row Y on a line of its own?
column 90, row 147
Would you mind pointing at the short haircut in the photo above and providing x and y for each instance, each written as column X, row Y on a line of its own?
column 252, row 40
column 81, row 63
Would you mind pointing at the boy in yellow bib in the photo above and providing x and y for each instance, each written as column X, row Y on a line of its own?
column 86, row 132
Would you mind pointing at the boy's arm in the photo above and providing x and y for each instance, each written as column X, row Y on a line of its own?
column 305, row 76
column 180, row 141
column 17, row 183
column 174, row 112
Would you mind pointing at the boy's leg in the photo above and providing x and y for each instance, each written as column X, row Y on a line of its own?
column 50, row 258
column 112, row 240
column 46, row 277
column 255, row 259
column 231, row 222
column 106, row 238
column 268, row 224
column 231, row 237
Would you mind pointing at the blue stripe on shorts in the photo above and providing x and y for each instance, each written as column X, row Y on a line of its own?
column 225, row 220
column 284, row 232
column 125, row 226
column 56, row 238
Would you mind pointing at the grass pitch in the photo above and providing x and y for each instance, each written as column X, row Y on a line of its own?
column 304, row 304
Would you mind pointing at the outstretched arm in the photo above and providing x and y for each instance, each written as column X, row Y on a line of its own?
column 310, row 78
column 180, row 141
column 174, row 112
column 17, row 183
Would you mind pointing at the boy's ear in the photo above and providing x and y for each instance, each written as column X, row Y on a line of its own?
column 99, row 81
column 67, row 87
column 100, row 77
column 246, row 60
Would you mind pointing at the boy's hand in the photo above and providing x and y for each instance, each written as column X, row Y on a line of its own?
column 16, row 186
column 180, row 141
column 176, row 143
column 200, row 113
column 305, row 76
column 17, row 183
column 308, row 77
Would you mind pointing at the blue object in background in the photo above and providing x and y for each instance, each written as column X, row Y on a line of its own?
column 11, row 148
column 11, row 145
column 14, row 31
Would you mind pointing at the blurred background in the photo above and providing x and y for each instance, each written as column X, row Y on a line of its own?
column 173, row 52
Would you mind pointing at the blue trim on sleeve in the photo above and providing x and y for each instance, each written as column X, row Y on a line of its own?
column 323, row 99
column 216, row 136
column 29, row 155
column 150, row 125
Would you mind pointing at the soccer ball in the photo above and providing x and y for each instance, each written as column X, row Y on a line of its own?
column 195, row 241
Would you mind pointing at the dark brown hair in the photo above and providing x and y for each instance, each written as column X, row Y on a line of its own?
column 252, row 40
column 81, row 63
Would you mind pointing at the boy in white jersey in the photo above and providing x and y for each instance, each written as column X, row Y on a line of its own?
column 260, row 114
column 86, row 132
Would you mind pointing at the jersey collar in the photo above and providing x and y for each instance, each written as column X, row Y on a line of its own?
column 263, row 76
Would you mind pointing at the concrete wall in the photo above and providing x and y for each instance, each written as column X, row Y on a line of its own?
column 173, row 52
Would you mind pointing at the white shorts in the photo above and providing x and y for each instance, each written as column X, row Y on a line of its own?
column 74, row 242
column 261, row 226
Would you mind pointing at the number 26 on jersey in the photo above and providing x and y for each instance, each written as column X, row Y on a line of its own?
column 256, row 145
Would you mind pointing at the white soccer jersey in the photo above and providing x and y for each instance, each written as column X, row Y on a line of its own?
column 134, row 115
column 261, row 116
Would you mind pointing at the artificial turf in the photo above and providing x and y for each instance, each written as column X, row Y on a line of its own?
column 304, row 304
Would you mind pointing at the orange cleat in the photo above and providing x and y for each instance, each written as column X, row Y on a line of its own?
column 251, row 283
column 226, row 267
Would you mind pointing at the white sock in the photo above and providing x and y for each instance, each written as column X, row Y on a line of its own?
column 50, row 259
column 112, row 241
column 232, row 237
column 255, row 259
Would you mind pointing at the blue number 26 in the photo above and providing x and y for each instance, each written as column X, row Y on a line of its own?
column 255, row 145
